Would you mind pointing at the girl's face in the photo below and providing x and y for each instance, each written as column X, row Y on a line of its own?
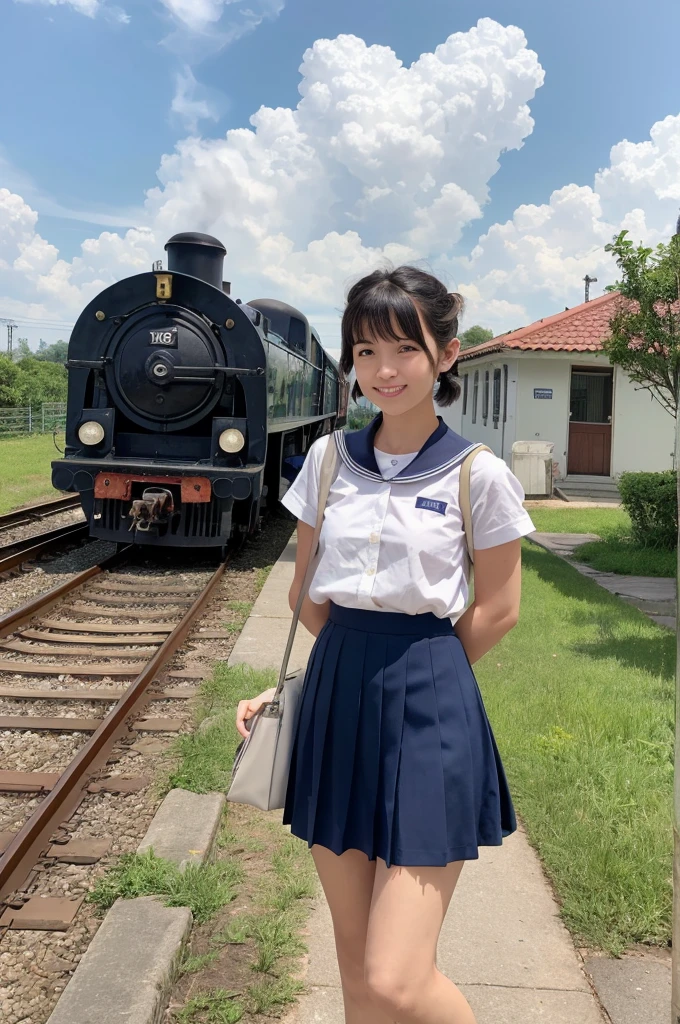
column 396, row 375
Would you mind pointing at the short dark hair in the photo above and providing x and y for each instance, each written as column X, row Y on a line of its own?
column 376, row 298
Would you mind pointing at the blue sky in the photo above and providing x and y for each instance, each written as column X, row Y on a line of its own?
column 87, row 118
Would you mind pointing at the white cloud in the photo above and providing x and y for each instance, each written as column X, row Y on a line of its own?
column 194, row 102
column 539, row 258
column 377, row 162
column 204, row 27
column 90, row 8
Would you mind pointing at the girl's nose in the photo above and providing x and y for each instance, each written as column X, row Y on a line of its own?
column 386, row 372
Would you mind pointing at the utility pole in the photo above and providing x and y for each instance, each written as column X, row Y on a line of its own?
column 10, row 330
column 589, row 280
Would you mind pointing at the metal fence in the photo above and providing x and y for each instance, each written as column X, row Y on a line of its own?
column 38, row 419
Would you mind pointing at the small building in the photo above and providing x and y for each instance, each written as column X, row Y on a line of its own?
column 552, row 382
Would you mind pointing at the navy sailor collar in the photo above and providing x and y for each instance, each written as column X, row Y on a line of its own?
column 444, row 449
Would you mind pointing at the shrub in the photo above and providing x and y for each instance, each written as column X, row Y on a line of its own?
column 651, row 501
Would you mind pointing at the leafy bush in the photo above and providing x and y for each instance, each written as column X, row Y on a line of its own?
column 31, row 381
column 651, row 501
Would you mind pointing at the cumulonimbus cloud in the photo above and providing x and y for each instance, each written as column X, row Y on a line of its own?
column 377, row 161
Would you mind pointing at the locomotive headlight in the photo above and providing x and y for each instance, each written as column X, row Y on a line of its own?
column 231, row 440
column 91, row 432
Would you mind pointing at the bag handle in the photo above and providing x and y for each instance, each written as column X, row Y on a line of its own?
column 326, row 476
column 464, row 498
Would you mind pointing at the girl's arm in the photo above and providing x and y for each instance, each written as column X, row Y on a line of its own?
column 495, row 608
column 313, row 616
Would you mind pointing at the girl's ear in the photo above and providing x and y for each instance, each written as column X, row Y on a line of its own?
column 449, row 355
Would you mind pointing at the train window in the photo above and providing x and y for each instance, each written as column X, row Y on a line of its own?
column 297, row 335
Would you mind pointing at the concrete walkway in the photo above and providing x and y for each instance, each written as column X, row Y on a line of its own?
column 502, row 942
column 653, row 595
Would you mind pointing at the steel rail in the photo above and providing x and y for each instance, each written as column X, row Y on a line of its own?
column 10, row 620
column 30, row 513
column 30, row 547
column 25, row 849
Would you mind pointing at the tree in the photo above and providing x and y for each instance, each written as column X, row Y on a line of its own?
column 22, row 350
column 9, row 374
column 475, row 336
column 645, row 330
column 56, row 353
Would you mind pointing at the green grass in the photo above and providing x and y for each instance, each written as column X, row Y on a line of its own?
column 204, row 889
column 617, row 551
column 586, row 736
column 280, row 907
column 25, row 470
column 603, row 521
column 205, row 757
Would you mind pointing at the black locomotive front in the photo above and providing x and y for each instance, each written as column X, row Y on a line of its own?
column 170, row 405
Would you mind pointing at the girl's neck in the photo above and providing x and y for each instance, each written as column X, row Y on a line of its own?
column 408, row 432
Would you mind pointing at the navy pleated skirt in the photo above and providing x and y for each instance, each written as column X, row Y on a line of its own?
column 394, row 754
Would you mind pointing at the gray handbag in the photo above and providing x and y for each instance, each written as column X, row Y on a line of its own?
column 262, row 761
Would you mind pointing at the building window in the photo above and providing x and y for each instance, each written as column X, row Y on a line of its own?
column 505, row 392
column 485, row 400
column 465, row 393
column 475, row 396
column 496, row 398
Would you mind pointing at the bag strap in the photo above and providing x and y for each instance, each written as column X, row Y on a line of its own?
column 326, row 476
column 464, row 498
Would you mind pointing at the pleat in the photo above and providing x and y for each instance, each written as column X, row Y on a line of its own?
column 300, row 766
column 365, row 768
column 457, row 732
column 327, row 681
column 423, row 784
column 336, row 779
column 391, row 733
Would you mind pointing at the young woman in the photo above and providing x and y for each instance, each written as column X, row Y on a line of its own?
column 396, row 779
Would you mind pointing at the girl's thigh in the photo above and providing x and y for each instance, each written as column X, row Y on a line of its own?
column 347, row 881
column 407, row 911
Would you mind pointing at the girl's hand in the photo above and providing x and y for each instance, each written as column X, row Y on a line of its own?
column 247, row 708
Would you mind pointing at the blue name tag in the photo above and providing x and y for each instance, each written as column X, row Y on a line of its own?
column 431, row 505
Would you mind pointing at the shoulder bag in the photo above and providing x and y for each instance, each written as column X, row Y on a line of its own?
column 464, row 499
column 262, row 761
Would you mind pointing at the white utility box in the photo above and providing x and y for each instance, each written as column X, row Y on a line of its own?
column 532, row 464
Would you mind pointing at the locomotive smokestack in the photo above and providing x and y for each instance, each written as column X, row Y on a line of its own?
column 196, row 254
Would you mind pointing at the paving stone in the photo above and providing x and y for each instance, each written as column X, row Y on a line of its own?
column 184, row 827
column 633, row 989
column 127, row 972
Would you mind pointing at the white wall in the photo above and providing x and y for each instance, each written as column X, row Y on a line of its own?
column 644, row 433
column 500, row 438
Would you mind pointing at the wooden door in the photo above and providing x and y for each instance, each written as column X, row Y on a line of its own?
column 590, row 426
column 590, row 448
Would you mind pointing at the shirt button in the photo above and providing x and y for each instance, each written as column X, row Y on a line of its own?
column 374, row 538
column 370, row 571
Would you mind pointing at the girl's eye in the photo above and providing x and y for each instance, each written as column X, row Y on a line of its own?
column 407, row 348
column 365, row 351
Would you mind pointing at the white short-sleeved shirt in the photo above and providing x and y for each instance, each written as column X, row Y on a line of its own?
column 398, row 544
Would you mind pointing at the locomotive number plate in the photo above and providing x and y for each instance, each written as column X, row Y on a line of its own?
column 166, row 338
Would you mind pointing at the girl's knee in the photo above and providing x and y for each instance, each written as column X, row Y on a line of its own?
column 396, row 993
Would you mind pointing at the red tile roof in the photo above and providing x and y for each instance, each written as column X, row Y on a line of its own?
column 579, row 329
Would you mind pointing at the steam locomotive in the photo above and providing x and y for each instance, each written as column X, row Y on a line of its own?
column 188, row 412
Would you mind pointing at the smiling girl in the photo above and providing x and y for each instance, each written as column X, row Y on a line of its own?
column 396, row 779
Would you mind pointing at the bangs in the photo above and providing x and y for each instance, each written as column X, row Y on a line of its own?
column 384, row 311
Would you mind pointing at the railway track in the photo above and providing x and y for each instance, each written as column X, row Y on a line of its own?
column 36, row 513
column 103, row 639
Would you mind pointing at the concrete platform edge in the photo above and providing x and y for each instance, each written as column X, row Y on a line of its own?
column 143, row 938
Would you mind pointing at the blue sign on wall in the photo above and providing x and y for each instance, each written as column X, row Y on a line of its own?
column 543, row 392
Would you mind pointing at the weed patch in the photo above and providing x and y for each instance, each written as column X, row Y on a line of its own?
column 204, row 889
